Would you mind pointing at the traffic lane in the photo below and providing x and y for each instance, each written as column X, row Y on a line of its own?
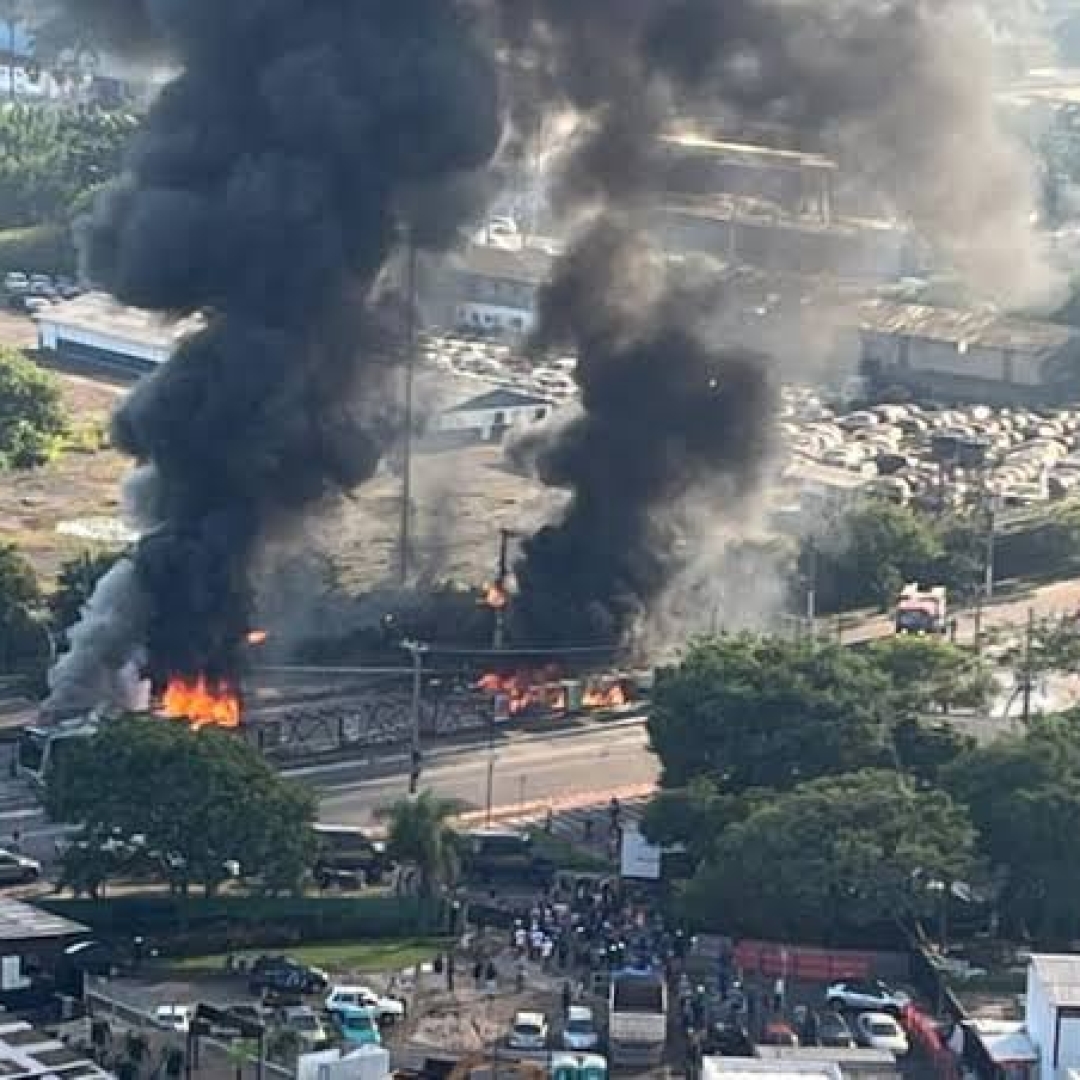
column 527, row 773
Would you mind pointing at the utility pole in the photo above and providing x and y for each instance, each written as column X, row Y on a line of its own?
column 991, row 525
column 490, row 795
column 416, row 650
column 498, row 637
column 404, row 539
column 1029, row 633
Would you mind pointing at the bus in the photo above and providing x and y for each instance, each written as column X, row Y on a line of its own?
column 42, row 746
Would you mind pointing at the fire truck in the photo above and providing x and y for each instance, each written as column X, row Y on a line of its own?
column 921, row 611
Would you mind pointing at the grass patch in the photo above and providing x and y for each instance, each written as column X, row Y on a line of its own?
column 345, row 956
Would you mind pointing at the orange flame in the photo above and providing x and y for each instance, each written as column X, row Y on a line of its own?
column 542, row 691
column 201, row 701
column 257, row 637
column 495, row 597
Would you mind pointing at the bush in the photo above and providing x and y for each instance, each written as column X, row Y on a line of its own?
column 195, row 926
column 43, row 249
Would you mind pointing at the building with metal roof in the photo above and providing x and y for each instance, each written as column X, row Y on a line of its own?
column 29, row 1054
column 965, row 355
column 95, row 332
column 489, row 416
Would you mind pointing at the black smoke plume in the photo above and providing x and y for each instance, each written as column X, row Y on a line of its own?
column 664, row 409
column 272, row 182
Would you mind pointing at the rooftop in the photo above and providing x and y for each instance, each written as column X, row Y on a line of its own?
column 500, row 399
column 739, row 1068
column 526, row 264
column 26, row 1053
column 764, row 155
column 990, row 329
column 24, row 922
column 100, row 313
column 1059, row 973
column 1006, row 1041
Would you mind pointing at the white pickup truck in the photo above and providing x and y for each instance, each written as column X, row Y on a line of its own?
column 637, row 1018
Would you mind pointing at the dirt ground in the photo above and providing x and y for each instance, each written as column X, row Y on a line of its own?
column 462, row 497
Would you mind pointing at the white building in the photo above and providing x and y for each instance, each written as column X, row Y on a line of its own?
column 487, row 418
column 1052, row 1013
column 739, row 1068
column 94, row 331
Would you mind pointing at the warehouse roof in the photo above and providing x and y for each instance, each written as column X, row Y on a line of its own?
column 101, row 314
column 500, row 399
column 526, row 264
column 747, row 152
column 961, row 327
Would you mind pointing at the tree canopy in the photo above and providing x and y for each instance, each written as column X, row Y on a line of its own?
column 420, row 833
column 32, row 413
column 75, row 584
column 197, row 799
column 753, row 712
column 49, row 158
column 21, row 638
column 854, row 850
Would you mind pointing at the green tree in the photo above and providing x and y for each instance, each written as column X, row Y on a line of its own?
column 854, row 850
column 420, row 833
column 760, row 712
column 869, row 554
column 32, row 414
column 75, row 584
column 693, row 816
column 927, row 672
column 22, row 639
column 1023, row 794
column 201, row 799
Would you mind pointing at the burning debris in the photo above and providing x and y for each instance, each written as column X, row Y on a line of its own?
column 542, row 691
column 273, row 180
column 200, row 702
column 279, row 173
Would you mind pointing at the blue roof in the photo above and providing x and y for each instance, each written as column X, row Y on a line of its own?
column 500, row 399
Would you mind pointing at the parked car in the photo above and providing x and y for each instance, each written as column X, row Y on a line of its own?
column 303, row 1020
column 242, row 1010
column 579, row 1031
column 729, row 1038
column 348, row 856
column 529, row 1031
column 880, row 1031
column 779, row 1033
column 16, row 869
column 66, row 288
column 16, row 283
column 873, row 994
column 833, row 1030
column 359, row 1027
column 385, row 1009
column 174, row 1017
column 41, row 285
column 280, row 975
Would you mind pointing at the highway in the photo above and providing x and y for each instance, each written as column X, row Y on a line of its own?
column 530, row 768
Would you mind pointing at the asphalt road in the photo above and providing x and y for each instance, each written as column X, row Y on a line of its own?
column 530, row 768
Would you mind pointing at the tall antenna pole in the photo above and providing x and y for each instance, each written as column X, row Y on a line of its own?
column 406, row 457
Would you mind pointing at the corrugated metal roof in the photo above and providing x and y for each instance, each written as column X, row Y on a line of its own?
column 958, row 326
column 101, row 314
column 499, row 399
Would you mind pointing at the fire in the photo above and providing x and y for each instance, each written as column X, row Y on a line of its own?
column 257, row 637
column 201, row 701
column 543, row 691
column 495, row 597
column 599, row 696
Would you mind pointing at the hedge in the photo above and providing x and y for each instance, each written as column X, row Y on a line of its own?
column 196, row 925
column 42, row 249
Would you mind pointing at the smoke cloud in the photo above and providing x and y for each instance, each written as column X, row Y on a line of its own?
column 273, row 180
column 663, row 410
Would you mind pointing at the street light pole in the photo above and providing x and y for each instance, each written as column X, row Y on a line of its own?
column 499, row 633
column 416, row 650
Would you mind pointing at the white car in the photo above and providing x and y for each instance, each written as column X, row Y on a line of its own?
column 529, row 1031
column 864, row 994
column 303, row 1020
column 174, row 1017
column 579, row 1031
column 363, row 997
column 880, row 1031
